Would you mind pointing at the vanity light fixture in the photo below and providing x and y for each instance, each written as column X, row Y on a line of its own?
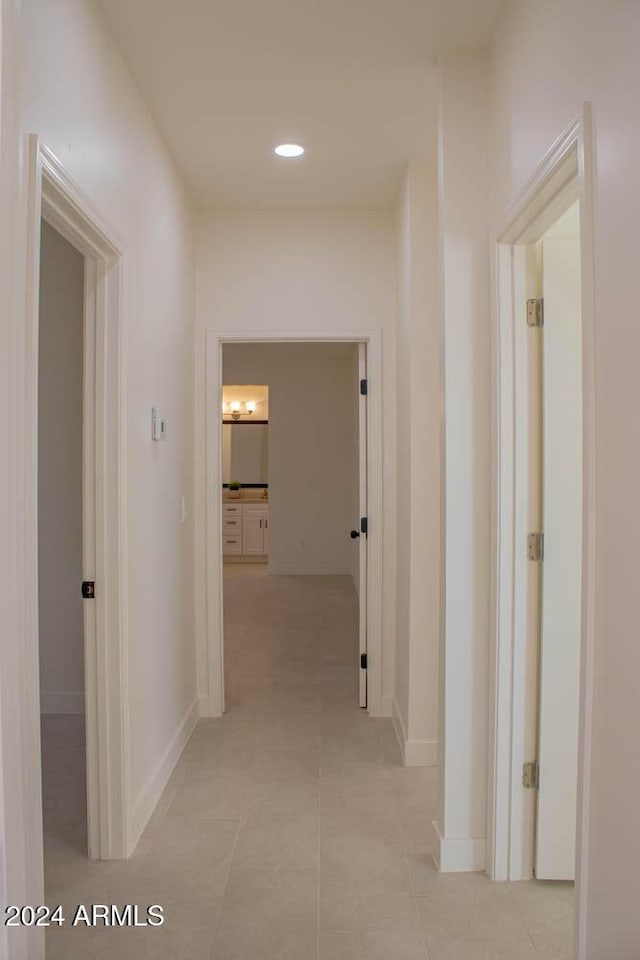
column 289, row 150
column 239, row 409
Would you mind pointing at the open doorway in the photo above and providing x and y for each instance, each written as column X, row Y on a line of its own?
column 544, row 558
column 549, row 699
column 74, row 649
column 212, row 687
column 293, row 545
column 60, row 546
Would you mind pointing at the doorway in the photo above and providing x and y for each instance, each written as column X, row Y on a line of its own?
column 362, row 529
column 88, row 532
column 60, row 543
column 293, row 507
column 544, row 547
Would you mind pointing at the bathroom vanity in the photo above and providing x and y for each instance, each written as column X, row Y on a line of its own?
column 245, row 529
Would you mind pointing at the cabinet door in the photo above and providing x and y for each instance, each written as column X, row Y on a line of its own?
column 252, row 535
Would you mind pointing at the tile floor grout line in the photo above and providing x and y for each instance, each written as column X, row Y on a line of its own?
column 414, row 895
column 522, row 917
column 224, row 890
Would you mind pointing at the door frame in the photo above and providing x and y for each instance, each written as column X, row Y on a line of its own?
column 52, row 195
column 212, row 693
column 564, row 175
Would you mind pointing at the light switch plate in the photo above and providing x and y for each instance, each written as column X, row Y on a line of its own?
column 158, row 425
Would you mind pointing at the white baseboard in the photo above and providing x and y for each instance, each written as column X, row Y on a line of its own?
column 206, row 708
column 415, row 753
column 308, row 570
column 421, row 753
column 152, row 791
column 386, row 705
column 458, row 854
column 61, row 702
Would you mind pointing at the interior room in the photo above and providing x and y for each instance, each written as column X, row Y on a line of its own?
column 245, row 478
column 290, row 500
column 60, row 549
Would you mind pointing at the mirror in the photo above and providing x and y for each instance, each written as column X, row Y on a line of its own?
column 245, row 453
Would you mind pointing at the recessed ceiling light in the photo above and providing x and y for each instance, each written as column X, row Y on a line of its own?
column 289, row 150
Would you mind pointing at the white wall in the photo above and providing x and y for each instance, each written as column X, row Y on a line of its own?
column 60, row 404
column 464, row 264
column 312, row 272
column 418, row 490
column 78, row 96
column 17, row 830
column 312, row 450
column 590, row 52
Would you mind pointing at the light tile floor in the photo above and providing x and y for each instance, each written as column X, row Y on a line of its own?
column 245, row 569
column 289, row 830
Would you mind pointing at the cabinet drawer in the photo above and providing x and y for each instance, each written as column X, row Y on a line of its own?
column 231, row 509
column 232, row 543
column 260, row 509
column 231, row 524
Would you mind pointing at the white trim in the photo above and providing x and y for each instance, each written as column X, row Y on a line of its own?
column 564, row 174
column 21, row 835
column 211, row 646
column 415, row 753
column 155, row 785
column 54, row 196
column 62, row 703
column 457, row 854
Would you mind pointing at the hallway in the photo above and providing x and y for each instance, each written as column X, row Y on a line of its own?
column 289, row 830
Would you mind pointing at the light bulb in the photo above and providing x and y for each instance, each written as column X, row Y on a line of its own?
column 289, row 150
column 251, row 406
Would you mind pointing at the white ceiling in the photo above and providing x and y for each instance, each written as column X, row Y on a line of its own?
column 352, row 80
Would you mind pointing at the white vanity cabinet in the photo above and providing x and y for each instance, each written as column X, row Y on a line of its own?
column 232, row 529
column 255, row 526
column 245, row 529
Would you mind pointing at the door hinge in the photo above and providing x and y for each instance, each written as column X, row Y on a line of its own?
column 88, row 589
column 535, row 547
column 535, row 312
column 364, row 387
column 364, row 525
column 363, row 661
column 531, row 775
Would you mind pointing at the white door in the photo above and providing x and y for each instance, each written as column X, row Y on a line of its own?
column 561, row 567
column 252, row 535
column 362, row 541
